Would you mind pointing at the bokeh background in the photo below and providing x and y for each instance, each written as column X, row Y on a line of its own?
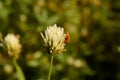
column 94, row 49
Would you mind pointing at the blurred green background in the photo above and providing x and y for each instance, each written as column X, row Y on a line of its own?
column 94, row 49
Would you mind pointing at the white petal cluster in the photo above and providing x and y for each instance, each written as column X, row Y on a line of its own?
column 12, row 42
column 54, row 38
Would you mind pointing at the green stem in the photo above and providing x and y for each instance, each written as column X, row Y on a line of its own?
column 50, row 69
column 19, row 70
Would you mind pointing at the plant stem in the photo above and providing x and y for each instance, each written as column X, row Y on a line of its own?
column 50, row 69
column 19, row 70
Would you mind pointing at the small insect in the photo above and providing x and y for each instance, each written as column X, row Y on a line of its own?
column 67, row 38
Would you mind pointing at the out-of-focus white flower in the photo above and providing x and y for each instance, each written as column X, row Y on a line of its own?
column 54, row 39
column 78, row 63
column 70, row 61
column 13, row 45
column 8, row 68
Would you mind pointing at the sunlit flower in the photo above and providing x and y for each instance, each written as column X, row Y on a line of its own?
column 54, row 39
column 13, row 44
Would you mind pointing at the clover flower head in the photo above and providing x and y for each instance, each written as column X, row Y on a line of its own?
column 54, row 39
column 13, row 44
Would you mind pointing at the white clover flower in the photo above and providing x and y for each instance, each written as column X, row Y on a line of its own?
column 13, row 45
column 54, row 39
